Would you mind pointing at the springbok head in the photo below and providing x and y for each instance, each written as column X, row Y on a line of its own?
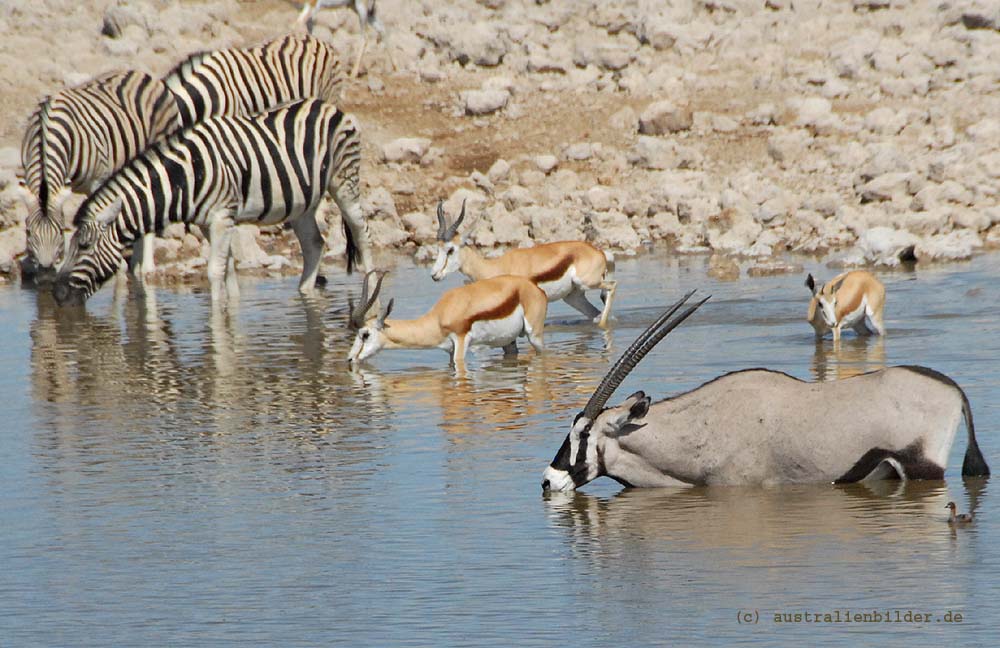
column 368, row 322
column 93, row 255
column 824, row 298
column 448, row 258
column 596, row 429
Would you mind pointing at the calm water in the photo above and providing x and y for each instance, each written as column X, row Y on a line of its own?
column 171, row 477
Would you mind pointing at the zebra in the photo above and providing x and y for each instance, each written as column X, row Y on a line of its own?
column 251, row 80
column 267, row 169
column 74, row 140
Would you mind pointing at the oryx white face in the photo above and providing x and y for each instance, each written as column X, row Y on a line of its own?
column 368, row 341
column 447, row 260
column 585, row 454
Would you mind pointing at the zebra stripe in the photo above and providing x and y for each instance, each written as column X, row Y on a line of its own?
column 80, row 136
column 266, row 169
column 247, row 81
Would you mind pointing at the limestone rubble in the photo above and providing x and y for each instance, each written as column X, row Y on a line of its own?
column 747, row 128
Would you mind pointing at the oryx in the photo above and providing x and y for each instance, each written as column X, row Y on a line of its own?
column 758, row 426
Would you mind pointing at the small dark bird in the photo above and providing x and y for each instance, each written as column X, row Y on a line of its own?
column 961, row 518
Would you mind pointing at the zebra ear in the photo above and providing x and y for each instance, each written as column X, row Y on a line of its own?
column 108, row 215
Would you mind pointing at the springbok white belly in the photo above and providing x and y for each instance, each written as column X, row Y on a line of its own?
column 855, row 317
column 558, row 289
column 498, row 332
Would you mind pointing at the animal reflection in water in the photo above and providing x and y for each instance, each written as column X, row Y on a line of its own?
column 765, row 427
column 847, row 358
column 502, row 394
column 737, row 519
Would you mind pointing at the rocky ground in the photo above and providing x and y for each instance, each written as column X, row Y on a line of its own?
column 743, row 128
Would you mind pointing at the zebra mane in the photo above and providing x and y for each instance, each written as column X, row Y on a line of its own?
column 185, row 68
column 43, row 180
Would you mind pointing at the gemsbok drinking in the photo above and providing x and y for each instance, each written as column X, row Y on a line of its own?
column 563, row 270
column 492, row 313
column 851, row 299
column 757, row 426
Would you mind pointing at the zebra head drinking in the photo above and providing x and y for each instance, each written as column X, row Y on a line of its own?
column 757, row 426
column 74, row 140
column 268, row 169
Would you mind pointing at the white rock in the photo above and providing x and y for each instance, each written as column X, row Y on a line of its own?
column 484, row 102
column 579, row 152
column 546, row 163
column 882, row 245
column 499, row 171
column 959, row 244
column 663, row 117
column 405, row 149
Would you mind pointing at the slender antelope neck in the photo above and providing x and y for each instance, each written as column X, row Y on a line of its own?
column 422, row 332
column 476, row 266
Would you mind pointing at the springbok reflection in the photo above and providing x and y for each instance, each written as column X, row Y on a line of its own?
column 847, row 358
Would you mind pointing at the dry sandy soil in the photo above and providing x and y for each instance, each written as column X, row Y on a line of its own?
column 742, row 128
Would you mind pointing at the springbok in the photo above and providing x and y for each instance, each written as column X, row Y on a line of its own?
column 851, row 299
column 757, row 426
column 365, row 9
column 563, row 270
column 493, row 313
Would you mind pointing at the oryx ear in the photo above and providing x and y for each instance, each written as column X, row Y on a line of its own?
column 108, row 215
column 639, row 409
column 811, row 283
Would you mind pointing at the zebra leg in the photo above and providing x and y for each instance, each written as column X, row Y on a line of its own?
column 311, row 242
column 346, row 195
column 220, row 237
column 143, row 263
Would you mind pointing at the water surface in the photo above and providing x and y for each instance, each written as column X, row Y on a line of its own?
column 173, row 475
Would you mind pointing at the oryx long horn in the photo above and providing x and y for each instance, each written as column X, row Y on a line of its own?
column 636, row 352
column 358, row 314
column 447, row 232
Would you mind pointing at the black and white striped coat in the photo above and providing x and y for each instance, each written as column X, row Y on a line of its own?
column 267, row 169
column 250, row 80
column 76, row 139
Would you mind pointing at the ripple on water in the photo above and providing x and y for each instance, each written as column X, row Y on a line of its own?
column 183, row 475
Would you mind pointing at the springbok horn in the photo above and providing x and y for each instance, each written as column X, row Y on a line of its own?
column 447, row 232
column 636, row 351
column 458, row 221
column 357, row 314
column 442, row 224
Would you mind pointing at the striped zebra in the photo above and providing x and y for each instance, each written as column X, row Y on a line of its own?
column 76, row 139
column 247, row 81
column 267, row 169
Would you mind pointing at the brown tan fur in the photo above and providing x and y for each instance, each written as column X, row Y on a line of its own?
column 547, row 266
column 459, row 308
column 846, row 292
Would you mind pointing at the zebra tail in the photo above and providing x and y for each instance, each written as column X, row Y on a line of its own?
column 353, row 252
